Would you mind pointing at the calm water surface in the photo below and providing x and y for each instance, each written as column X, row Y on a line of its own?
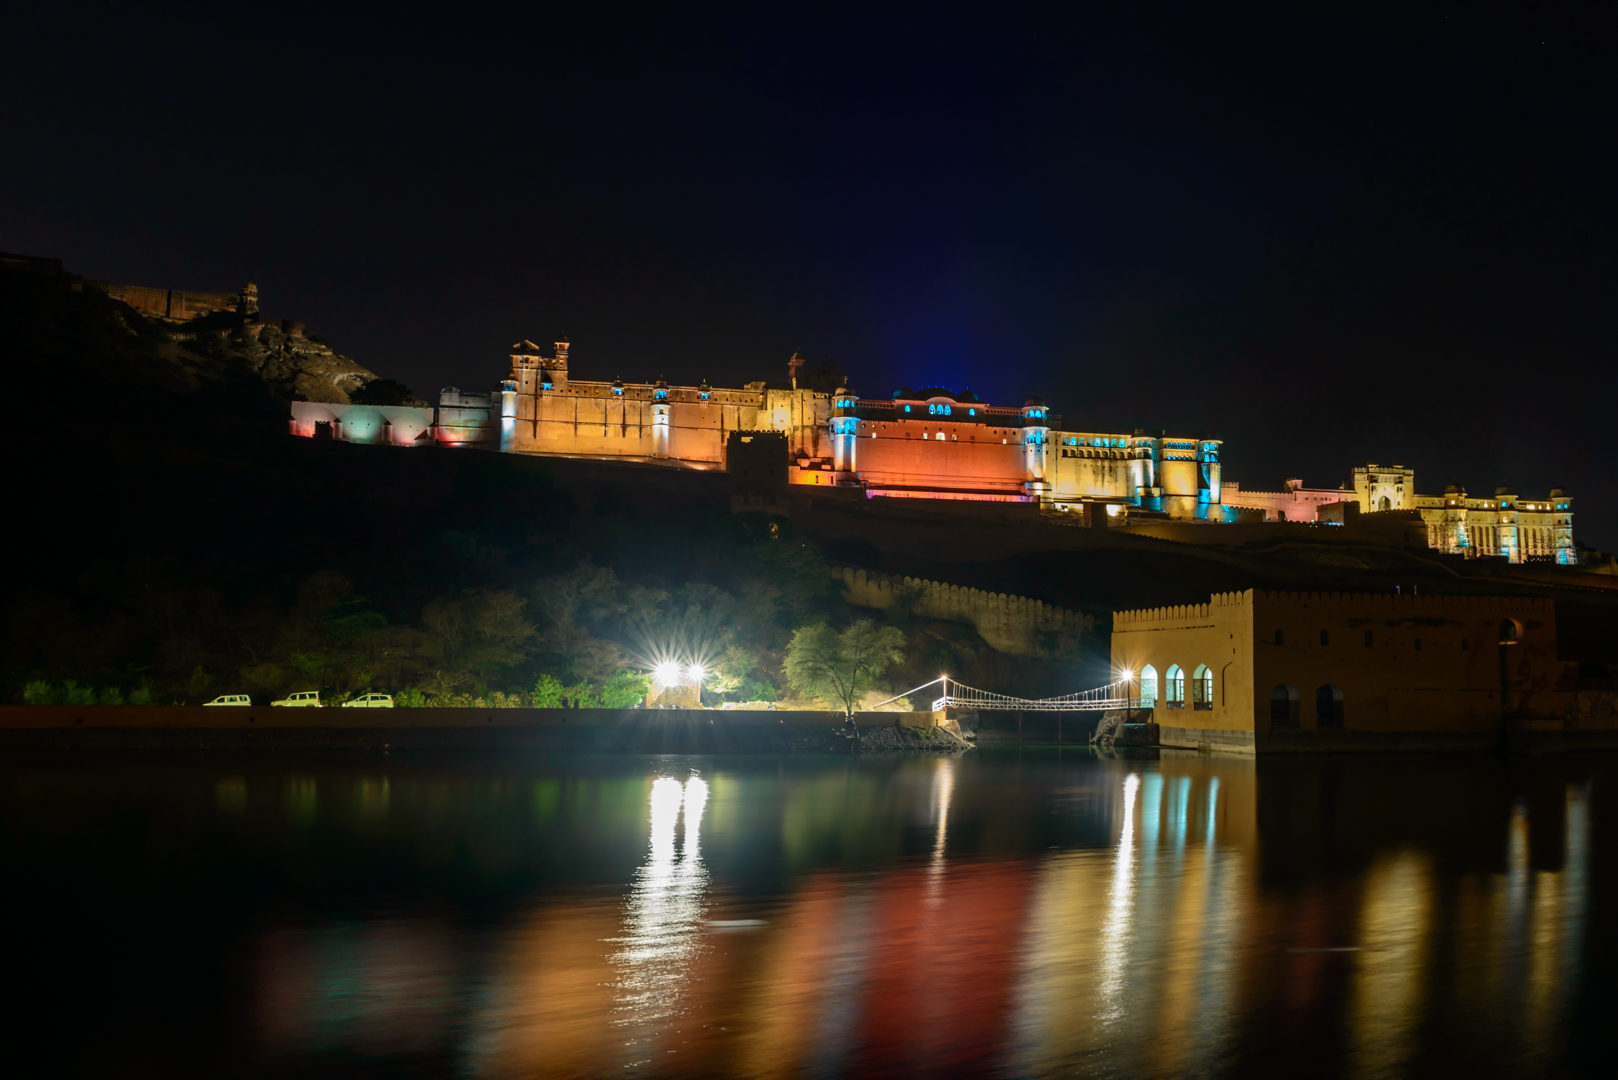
column 1016, row 912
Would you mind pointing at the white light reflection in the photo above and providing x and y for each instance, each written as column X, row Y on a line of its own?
column 663, row 918
column 1121, row 905
column 943, row 790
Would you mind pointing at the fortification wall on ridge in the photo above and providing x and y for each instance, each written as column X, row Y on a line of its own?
column 174, row 304
column 1011, row 624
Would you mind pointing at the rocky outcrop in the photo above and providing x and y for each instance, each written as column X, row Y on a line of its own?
column 292, row 366
column 122, row 340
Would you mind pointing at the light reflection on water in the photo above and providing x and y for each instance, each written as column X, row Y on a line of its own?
column 998, row 914
column 663, row 918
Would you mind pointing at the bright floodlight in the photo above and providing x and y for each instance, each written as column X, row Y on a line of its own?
column 666, row 673
column 1127, row 675
column 698, row 674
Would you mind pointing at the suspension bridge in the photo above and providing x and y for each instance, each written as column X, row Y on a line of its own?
column 957, row 695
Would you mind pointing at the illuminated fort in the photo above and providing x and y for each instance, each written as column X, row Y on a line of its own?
column 930, row 443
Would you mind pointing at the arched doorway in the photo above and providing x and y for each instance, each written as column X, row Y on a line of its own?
column 1284, row 706
column 1384, row 503
column 1329, row 706
column 1174, row 686
column 1509, row 632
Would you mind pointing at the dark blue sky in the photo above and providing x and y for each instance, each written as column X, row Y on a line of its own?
column 1323, row 235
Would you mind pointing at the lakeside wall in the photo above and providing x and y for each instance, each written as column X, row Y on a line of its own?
column 198, row 727
column 1011, row 624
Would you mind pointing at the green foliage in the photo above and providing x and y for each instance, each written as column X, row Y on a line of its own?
column 625, row 689
column 74, row 694
column 409, row 698
column 580, row 696
column 548, row 691
column 69, row 692
column 839, row 667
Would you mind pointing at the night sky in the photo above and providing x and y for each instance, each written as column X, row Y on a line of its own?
column 1321, row 235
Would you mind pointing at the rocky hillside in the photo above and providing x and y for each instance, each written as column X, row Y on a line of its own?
column 58, row 331
column 293, row 367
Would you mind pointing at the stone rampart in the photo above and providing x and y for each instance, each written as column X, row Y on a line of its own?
column 1011, row 624
column 176, row 305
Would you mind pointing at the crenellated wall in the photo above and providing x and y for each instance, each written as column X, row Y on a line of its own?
column 1011, row 624
column 1413, row 606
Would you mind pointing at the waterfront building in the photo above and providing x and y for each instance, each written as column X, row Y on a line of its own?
column 1250, row 671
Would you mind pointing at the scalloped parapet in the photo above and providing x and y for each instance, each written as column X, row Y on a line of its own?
column 1400, row 601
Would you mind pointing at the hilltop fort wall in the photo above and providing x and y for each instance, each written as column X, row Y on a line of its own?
column 1011, row 624
column 178, row 305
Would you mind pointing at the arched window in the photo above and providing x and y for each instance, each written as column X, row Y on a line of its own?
column 1329, row 706
column 1508, row 632
column 1174, row 687
column 1284, row 706
column 1148, row 687
column 1202, row 687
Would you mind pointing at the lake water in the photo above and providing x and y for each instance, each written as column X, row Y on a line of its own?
column 1013, row 912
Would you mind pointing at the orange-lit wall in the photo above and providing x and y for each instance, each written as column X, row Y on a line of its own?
column 909, row 453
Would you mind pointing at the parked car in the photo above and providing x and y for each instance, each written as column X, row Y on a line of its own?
column 230, row 699
column 370, row 701
column 307, row 699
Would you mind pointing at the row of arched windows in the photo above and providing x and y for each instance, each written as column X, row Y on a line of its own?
column 1173, row 687
column 1284, row 706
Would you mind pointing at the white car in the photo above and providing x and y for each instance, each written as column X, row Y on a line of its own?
column 307, row 699
column 370, row 701
column 230, row 699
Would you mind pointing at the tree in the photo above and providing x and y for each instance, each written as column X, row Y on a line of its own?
column 479, row 631
column 625, row 689
column 839, row 667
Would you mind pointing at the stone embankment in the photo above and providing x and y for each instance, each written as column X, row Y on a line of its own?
column 1016, row 625
column 932, row 740
column 636, row 731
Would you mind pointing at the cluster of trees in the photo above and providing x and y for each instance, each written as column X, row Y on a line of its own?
column 580, row 638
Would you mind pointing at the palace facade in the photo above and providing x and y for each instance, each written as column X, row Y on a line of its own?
column 1504, row 525
column 931, row 443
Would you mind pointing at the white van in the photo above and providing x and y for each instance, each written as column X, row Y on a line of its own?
column 308, row 699
column 230, row 699
column 370, row 701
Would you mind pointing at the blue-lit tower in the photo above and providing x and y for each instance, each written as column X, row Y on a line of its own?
column 844, row 430
column 660, row 419
column 1036, row 441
